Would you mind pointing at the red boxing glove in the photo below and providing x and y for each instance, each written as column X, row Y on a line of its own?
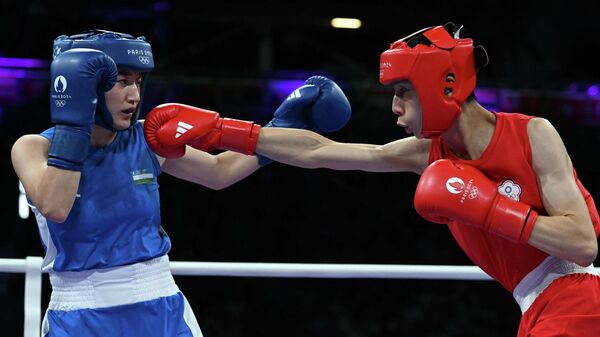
column 448, row 191
column 169, row 127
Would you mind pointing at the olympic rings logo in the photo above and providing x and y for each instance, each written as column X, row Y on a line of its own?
column 144, row 59
column 60, row 103
column 473, row 193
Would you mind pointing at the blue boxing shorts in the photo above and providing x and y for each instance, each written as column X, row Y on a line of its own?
column 141, row 299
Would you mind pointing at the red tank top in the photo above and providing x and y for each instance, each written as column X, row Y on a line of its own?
column 507, row 162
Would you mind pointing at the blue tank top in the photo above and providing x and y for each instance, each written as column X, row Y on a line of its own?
column 115, row 219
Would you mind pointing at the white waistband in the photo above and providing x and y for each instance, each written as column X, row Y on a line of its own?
column 101, row 288
column 532, row 285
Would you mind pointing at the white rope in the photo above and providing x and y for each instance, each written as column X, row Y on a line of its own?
column 324, row 270
column 305, row 270
column 12, row 265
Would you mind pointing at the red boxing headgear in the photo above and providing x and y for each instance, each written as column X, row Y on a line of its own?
column 440, row 67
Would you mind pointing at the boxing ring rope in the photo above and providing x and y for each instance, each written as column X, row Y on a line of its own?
column 31, row 267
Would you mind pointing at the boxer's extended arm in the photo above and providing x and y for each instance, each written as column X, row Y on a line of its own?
column 310, row 150
column 50, row 189
column 567, row 232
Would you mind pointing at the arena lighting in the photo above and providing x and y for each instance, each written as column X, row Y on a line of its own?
column 6, row 62
column 593, row 90
column 23, row 68
column 282, row 88
column 346, row 23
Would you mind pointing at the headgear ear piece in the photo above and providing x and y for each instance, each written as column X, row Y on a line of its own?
column 440, row 66
column 127, row 52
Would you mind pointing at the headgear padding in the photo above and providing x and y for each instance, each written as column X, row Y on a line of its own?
column 440, row 67
column 127, row 51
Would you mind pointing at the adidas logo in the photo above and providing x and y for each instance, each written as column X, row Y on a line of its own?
column 182, row 127
column 294, row 94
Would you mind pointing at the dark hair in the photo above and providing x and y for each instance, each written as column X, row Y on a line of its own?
column 451, row 28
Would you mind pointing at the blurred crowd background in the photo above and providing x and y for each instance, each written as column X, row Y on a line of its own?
column 242, row 58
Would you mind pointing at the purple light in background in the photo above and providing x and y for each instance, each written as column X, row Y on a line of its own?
column 573, row 88
column 593, row 90
column 486, row 95
column 23, row 68
column 22, row 63
column 282, row 88
column 9, row 89
column 12, row 73
column 22, row 73
column 161, row 6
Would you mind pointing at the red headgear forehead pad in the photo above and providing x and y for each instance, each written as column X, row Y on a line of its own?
column 440, row 66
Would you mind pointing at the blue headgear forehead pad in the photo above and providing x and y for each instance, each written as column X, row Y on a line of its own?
column 127, row 51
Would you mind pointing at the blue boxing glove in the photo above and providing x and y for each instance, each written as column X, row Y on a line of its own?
column 318, row 105
column 78, row 76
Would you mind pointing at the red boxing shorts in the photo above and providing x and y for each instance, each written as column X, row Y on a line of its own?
column 568, row 307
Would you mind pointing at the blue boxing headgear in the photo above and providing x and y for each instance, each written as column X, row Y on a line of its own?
column 127, row 51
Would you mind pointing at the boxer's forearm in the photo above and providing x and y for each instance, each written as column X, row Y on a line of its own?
column 308, row 149
column 290, row 146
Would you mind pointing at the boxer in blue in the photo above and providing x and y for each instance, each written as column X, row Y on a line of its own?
column 92, row 183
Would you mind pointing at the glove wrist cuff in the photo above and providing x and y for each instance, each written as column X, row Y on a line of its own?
column 70, row 146
column 512, row 220
column 239, row 136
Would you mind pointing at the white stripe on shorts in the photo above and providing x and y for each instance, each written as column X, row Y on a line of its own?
column 102, row 288
column 532, row 285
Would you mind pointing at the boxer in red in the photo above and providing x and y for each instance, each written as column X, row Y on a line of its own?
column 502, row 182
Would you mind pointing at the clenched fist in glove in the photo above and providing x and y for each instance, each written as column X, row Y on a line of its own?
column 169, row 127
column 457, row 192
column 318, row 105
column 78, row 76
